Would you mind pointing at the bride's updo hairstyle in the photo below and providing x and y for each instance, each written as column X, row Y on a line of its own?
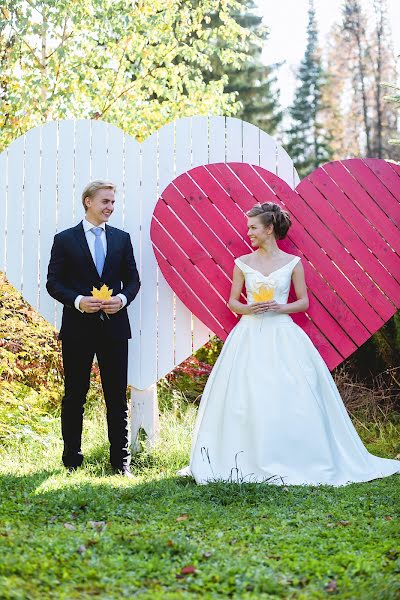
column 269, row 212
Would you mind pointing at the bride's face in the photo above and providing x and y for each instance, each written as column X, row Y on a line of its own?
column 257, row 232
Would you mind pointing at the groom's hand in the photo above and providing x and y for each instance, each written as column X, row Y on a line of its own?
column 89, row 304
column 111, row 306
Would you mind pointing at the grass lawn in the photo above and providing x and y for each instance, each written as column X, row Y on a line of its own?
column 94, row 535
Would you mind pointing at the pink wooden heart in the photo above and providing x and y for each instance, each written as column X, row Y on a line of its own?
column 345, row 219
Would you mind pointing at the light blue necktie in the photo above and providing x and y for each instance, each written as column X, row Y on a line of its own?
column 99, row 256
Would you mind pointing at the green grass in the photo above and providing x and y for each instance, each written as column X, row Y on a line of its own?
column 94, row 535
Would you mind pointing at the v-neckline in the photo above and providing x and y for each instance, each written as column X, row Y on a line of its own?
column 269, row 275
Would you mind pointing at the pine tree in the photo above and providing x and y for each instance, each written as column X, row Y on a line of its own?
column 254, row 82
column 308, row 141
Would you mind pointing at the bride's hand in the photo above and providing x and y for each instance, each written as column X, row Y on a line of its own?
column 257, row 308
column 273, row 306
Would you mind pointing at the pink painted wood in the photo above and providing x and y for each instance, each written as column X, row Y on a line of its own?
column 344, row 218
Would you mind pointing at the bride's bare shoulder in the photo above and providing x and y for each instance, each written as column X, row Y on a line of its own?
column 290, row 256
column 245, row 259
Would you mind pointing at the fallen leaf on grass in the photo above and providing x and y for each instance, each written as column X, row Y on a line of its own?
column 170, row 543
column 189, row 570
column 69, row 526
column 344, row 523
column 331, row 586
column 99, row 525
column 183, row 517
column 387, row 518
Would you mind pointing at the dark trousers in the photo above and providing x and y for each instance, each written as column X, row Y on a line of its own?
column 112, row 357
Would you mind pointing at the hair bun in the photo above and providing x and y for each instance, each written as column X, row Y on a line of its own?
column 272, row 213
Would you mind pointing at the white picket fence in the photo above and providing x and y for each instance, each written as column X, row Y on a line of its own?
column 42, row 175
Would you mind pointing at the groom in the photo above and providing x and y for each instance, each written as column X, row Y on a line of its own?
column 86, row 256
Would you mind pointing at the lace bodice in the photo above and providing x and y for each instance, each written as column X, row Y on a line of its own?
column 275, row 286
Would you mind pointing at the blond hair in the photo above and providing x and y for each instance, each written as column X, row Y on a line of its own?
column 95, row 186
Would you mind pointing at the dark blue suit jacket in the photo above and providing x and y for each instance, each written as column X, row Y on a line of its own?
column 72, row 272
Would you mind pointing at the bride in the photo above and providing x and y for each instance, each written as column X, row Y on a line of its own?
column 270, row 410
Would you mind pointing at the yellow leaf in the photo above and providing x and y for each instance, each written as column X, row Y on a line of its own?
column 263, row 294
column 103, row 293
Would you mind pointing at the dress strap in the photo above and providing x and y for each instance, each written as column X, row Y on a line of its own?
column 242, row 266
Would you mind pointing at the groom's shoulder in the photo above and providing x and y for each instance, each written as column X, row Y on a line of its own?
column 66, row 233
column 115, row 231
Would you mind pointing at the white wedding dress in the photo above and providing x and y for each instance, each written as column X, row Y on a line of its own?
column 271, row 411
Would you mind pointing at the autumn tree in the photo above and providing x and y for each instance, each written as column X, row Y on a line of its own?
column 360, row 59
column 115, row 61
column 308, row 139
column 253, row 82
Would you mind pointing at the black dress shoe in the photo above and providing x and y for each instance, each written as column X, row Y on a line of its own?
column 71, row 469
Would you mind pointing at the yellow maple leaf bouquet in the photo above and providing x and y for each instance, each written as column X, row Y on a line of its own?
column 264, row 293
column 104, row 293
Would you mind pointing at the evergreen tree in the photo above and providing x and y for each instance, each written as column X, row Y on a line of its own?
column 308, row 141
column 253, row 82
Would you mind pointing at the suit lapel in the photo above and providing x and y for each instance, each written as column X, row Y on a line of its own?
column 81, row 238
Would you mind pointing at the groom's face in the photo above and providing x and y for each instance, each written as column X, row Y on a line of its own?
column 100, row 207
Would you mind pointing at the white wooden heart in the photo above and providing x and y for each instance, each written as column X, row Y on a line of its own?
column 42, row 175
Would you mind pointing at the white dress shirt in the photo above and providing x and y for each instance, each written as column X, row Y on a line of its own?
column 90, row 238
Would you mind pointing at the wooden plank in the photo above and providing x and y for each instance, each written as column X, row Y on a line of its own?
column 183, row 143
column 82, row 167
column 363, row 201
column 387, row 175
column 194, row 222
column 65, row 182
column 382, row 280
column 220, row 198
column 182, row 333
column 201, row 334
column 3, row 208
column 373, row 186
column 234, row 140
column 199, row 139
column 324, row 237
column 268, row 152
column 183, row 318
column 194, row 275
column 185, row 293
column 133, row 215
column 48, row 215
column 213, row 223
column 372, row 233
column 198, row 254
column 115, row 173
column 31, row 255
column 99, row 144
column 165, row 301
column 148, row 292
column 322, row 292
column 251, row 144
column 15, row 206
column 216, row 136
column 229, row 180
column 285, row 168
column 345, row 220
